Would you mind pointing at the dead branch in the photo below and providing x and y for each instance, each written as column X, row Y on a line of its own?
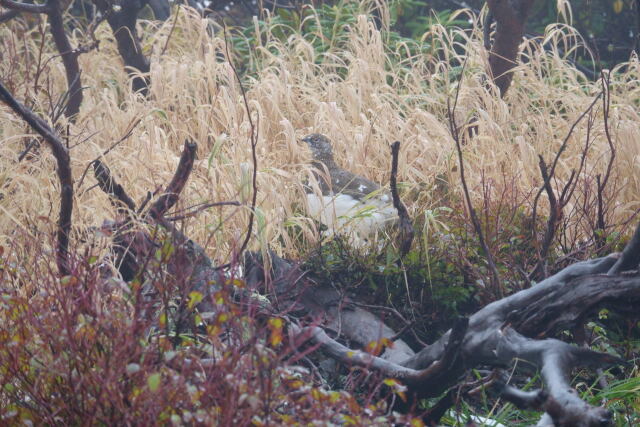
column 64, row 175
column 69, row 58
column 630, row 257
column 8, row 15
column 502, row 332
column 179, row 180
column 406, row 228
column 26, row 7
column 531, row 400
column 422, row 378
column 108, row 184
column 126, row 245
column 556, row 359
column 53, row 10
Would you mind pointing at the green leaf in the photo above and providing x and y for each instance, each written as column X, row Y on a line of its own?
column 159, row 112
column 153, row 381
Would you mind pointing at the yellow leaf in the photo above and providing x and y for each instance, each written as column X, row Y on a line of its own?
column 194, row 299
column 617, row 6
column 390, row 382
column 276, row 338
column 275, row 322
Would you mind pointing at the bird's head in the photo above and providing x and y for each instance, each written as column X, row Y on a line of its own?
column 320, row 147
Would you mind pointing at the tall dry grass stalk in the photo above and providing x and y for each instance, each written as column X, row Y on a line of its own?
column 362, row 95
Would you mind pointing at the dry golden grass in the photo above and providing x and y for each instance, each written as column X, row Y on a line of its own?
column 194, row 95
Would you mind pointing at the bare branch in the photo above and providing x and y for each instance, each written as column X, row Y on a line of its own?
column 416, row 378
column 64, row 175
column 555, row 205
column 602, row 182
column 129, row 132
column 179, row 180
column 53, row 9
column 69, row 59
column 630, row 255
column 406, row 228
column 555, row 360
column 531, row 400
column 108, row 184
column 8, row 15
column 27, row 7
column 455, row 133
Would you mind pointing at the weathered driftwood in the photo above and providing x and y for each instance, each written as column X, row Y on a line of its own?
column 512, row 328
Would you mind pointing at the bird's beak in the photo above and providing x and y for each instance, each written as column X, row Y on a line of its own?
column 305, row 139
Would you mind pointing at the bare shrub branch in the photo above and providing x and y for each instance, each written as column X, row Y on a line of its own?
column 556, row 205
column 406, row 228
column 64, row 175
column 53, row 9
column 455, row 134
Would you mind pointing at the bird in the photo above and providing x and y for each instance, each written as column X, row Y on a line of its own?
column 346, row 203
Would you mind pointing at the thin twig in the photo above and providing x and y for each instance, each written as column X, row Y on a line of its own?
column 146, row 200
column 603, row 181
column 108, row 150
column 173, row 27
column 199, row 208
column 254, row 143
column 555, row 206
column 455, row 133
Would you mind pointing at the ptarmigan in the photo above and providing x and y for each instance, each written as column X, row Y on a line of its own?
column 346, row 203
